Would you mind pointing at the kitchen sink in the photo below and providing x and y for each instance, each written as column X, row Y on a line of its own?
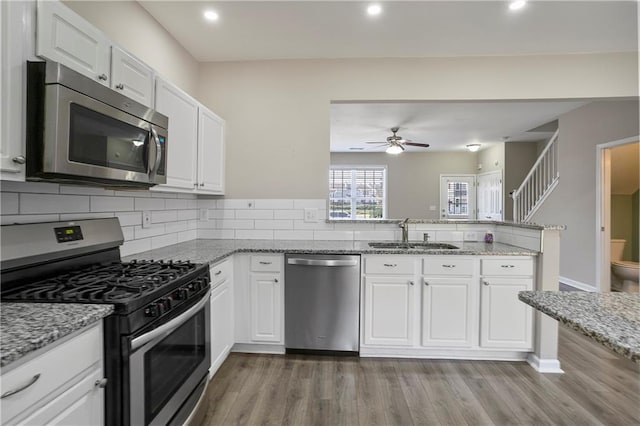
column 413, row 245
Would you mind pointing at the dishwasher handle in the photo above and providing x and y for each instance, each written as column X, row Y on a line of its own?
column 321, row 262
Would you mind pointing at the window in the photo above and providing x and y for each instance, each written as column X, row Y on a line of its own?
column 357, row 193
column 458, row 196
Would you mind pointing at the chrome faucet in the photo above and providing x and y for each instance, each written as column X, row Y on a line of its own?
column 405, row 230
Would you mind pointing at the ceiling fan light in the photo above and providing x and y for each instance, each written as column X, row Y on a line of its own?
column 394, row 149
column 473, row 147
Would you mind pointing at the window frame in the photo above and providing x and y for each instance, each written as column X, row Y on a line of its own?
column 354, row 168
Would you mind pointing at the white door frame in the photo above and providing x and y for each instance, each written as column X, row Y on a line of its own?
column 603, row 211
column 473, row 213
column 502, row 198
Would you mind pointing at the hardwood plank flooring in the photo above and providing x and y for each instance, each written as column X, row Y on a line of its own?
column 598, row 388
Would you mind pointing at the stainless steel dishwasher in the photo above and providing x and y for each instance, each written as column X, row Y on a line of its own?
column 322, row 302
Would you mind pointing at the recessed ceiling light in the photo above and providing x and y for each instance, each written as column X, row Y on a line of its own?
column 211, row 15
column 473, row 147
column 374, row 10
column 517, row 4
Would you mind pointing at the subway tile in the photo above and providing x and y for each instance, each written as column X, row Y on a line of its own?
column 176, row 204
column 234, row 204
column 254, row 214
column 176, row 226
column 354, row 226
column 128, row 232
column 53, row 203
column 111, row 204
column 33, row 187
column 333, row 235
column 9, row 203
column 82, row 216
column 273, row 224
column 222, row 214
column 253, row 234
column 164, row 216
column 374, row 235
column 129, row 218
column 288, row 214
column 192, row 224
column 142, row 204
column 310, row 203
column 187, row 214
column 192, row 203
column 449, row 235
column 135, row 246
column 151, row 231
column 165, row 195
column 321, row 226
column 84, row 190
column 28, row 218
column 216, row 234
column 187, row 196
column 187, row 235
column 280, row 234
column 164, row 240
column 531, row 243
column 431, row 226
column 133, row 193
column 235, row 224
column 206, row 204
column 274, row 204
column 208, row 224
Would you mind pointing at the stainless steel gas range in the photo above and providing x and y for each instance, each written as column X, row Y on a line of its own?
column 157, row 342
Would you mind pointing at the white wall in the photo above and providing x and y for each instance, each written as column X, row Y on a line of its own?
column 277, row 112
column 573, row 203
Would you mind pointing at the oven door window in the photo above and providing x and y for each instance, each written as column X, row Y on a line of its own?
column 171, row 362
column 101, row 140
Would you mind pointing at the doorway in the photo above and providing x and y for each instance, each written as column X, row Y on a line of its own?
column 490, row 196
column 458, row 197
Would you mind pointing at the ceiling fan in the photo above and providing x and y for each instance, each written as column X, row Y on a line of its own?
column 396, row 144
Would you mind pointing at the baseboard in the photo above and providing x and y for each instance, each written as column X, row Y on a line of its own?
column 258, row 348
column 577, row 284
column 544, row 365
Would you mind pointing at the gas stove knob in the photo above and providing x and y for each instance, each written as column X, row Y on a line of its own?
column 151, row 311
column 166, row 304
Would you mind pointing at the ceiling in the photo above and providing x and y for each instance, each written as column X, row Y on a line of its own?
column 258, row 30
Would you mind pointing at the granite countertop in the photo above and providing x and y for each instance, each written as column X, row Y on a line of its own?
column 27, row 327
column 612, row 319
column 212, row 251
column 525, row 225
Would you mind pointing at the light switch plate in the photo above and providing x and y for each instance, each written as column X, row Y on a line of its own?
column 310, row 214
column 146, row 219
column 470, row 236
column 204, row 215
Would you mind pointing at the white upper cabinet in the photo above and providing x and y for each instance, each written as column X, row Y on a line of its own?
column 182, row 111
column 131, row 77
column 64, row 36
column 211, row 147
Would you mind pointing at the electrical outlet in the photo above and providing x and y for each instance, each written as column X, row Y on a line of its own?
column 204, row 215
column 310, row 215
column 146, row 219
column 471, row 236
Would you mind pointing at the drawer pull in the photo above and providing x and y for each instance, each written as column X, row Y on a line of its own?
column 101, row 383
column 448, row 266
column 275, row 280
column 412, row 283
column 102, row 77
column 426, row 283
column 262, row 262
column 21, row 388
column 486, row 283
column 507, row 266
column 217, row 273
column 391, row 265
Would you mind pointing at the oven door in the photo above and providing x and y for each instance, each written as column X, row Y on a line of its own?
column 167, row 364
column 89, row 139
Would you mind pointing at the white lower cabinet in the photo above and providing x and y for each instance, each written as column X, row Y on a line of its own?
column 222, row 313
column 266, row 304
column 448, row 308
column 65, row 384
column 388, row 311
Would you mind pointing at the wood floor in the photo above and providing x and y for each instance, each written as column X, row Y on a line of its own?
column 598, row 388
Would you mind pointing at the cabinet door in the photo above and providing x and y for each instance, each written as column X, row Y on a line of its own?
column 388, row 311
column 222, row 336
column 266, row 307
column 505, row 322
column 210, row 152
column 64, row 36
column 131, row 77
column 182, row 111
column 448, row 312
column 82, row 404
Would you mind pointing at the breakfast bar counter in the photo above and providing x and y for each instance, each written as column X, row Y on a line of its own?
column 612, row 319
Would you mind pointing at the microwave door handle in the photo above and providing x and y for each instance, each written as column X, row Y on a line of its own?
column 151, row 154
column 156, row 139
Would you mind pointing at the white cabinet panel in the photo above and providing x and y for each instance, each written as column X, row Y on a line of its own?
column 507, row 267
column 505, row 321
column 182, row 111
column 63, row 36
column 266, row 307
column 448, row 312
column 222, row 336
column 131, row 77
column 211, row 151
column 388, row 311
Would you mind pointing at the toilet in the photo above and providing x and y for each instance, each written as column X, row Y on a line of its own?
column 625, row 271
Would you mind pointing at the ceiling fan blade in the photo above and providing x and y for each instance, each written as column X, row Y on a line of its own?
column 378, row 142
column 423, row 145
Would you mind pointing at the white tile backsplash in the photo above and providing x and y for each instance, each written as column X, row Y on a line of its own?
column 9, row 203
column 31, row 203
column 111, row 204
column 254, row 214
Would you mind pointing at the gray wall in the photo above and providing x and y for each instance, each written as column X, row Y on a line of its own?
column 519, row 157
column 573, row 203
column 413, row 179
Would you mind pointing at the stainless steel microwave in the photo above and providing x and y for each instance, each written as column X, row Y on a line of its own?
column 79, row 131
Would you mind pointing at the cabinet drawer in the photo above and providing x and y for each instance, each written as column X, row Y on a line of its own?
column 55, row 367
column 221, row 272
column 389, row 265
column 447, row 266
column 507, row 267
column 265, row 263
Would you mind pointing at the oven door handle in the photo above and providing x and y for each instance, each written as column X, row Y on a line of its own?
column 167, row 328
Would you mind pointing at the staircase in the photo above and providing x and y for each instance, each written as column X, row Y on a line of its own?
column 539, row 183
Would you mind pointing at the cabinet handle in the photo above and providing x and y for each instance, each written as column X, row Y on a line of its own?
column 19, row 159
column 448, row 266
column 217, row 273
column 275, row 280
column 120, row 86
column 21, row 388
column 411, row 282
column 391, row 265
column 102, row 77
column 485, row 282
column 101, row 383
column 507, row 266
column 202, row 184
column 262, row 262
column 195, row 185
column 426, row 283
